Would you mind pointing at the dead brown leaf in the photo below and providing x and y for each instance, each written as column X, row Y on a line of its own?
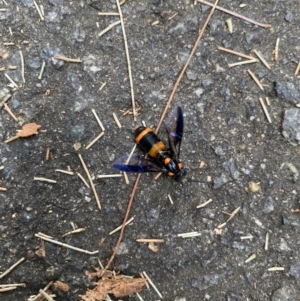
column 64, row 287
column 28, row 129
column 120, row 287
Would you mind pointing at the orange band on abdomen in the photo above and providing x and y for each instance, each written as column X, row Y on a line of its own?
column 142, row 134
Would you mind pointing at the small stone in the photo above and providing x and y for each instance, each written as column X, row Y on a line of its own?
column 77, row 132
column 191, row 74
column 291, row 126
column 249, row 37
column 286, row 293
column 220, row 181
column 123, row 249
column 225, row 93
column 207, row 82
column 289, row 16
column 48, row 54
column 287, row 91
column 35, row 63
column 268, row 206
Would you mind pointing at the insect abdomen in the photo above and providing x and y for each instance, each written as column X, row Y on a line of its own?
column 149, row 142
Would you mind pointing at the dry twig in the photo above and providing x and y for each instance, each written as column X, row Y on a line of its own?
column 157, row 128
column 91, row 181
column 128, row 60
column 67, row 59
column 236, row 15
column 11, row 268
column 65, row 245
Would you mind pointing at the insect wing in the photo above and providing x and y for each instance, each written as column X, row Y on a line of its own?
column 174, row 128
column 136, row 164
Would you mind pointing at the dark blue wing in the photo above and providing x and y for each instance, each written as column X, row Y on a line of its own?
column 174, row 128
column 174, row 125
column 136, row 164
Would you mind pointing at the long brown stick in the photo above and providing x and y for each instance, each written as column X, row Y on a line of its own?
column 185, row 66
column 236, row 15
column 157, row 128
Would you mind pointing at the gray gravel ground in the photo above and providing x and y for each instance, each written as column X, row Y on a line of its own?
column 225, row 127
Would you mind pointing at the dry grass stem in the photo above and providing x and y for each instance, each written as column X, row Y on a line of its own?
column 6, row 108
column 229, row 25
column 12, row 67
column 191, row 235
column 3, row 189
column 117, row 121
column 98, row 120
column 3, row 9
column 249, row 57
column 14, row 284
column 79, row 230
column 67, row 59
column 173, row 16
column 268, row 101
column 126, row 178
column 262, row 59
column 48, row 153
column 246, row 237
column 236, row 15
column 38, row 9
column 204, row 204
column 252, row 257
column 267, row 242
column 10, row 79
column 108, row 28
column 45, row 295
column 234, row 212
column 128, row 60
column 34, row 298
column 131, row 153
column 154, row 240
column 187, row 233
column 6, row 98
column 139, row 296
column 42, row 10
column 297, row 69
column 65, row 245
column 94, row 141
column 276, row 50
column 91, row 181
column 242, row 63
column 158, row 175
column 152, row 284
column 119, row 228
column 9, row 44
column 265, row 109
column 83, row 180
column 255, row 79
column 170, row 199
column 22, row 66
column 44, row 180
column 6, row 289
column 108, row 14
column 71, row 173
column 11, row 268
column 2, row 69
column 276, row 269
column 118, row 175
column 42, row 70
column 102, row 86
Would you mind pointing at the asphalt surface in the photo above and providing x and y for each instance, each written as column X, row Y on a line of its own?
column 234, row 156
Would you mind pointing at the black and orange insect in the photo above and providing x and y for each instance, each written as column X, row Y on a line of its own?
column 161, row 158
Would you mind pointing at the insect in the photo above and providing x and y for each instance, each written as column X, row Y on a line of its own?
column 161, row 158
